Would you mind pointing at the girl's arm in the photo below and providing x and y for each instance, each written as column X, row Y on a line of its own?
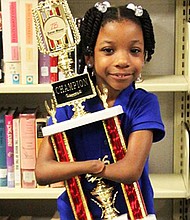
column 48, row 170
column 129, row 169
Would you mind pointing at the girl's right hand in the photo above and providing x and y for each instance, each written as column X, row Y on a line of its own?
column 95, row 166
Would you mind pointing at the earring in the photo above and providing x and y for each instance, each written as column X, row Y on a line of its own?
column 139, row 78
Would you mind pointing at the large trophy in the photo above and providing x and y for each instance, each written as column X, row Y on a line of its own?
column 57, row 35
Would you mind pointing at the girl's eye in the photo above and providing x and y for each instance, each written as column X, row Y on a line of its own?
column 135, row 50
column 108, row 50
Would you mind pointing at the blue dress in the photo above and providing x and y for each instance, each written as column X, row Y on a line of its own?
column 141, row 112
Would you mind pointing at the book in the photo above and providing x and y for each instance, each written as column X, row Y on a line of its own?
column 53, row 69
column 12, row 71
column 28, row 146
column 3, row 162
column 29, row 47
column 1, row 39
column 11, row 113
column 10, row 22
column 10, row 42
column 17, row 157
column 40, row 123
column 1, row 50
column 44, row 69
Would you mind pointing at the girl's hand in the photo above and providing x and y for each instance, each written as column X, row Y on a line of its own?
column 95, row 166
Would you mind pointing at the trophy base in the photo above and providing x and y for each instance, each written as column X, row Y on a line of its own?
column 80, row 121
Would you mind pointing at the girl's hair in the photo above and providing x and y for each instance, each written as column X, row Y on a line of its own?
column 94, row 19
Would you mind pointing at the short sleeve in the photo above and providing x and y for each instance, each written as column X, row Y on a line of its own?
column 146, row 115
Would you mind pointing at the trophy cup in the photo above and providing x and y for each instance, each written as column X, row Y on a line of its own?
column 58, row 35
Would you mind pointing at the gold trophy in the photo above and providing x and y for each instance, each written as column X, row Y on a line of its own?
column 58, row 35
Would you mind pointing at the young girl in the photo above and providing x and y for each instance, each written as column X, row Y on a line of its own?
column 115, row 44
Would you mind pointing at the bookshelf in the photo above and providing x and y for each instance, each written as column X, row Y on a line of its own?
column 172, row 185
column 154, row 83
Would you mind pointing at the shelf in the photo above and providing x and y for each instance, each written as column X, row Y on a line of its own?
column 39, row 88
column 168, row 186
column 165, row 186
column 36, row 193
column 156, row 83
column 164, row 83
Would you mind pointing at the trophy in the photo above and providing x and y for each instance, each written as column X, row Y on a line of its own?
column 57, row 35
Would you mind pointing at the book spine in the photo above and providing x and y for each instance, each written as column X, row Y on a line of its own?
column 40, row 123
column 3, row 163
column 1, row 51
column 16, row 144
column 11, row 48
column 28, row 150
column 29, row 48
column 9, row 150
column 12, row 72
column 10, row 30
column 44, row 68
column 53, row 69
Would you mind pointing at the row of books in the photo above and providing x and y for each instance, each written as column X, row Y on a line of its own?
column 21, row 62
column 48, row 72
column 20, row 138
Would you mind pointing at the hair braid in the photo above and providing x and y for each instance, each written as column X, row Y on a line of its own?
column 89, row 30
column 148, row 33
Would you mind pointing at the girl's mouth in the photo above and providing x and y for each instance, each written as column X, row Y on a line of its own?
column 121, row 76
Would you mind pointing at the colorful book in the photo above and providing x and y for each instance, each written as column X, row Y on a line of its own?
column 28, row 146
column 11, row 113
column 9, row 9
column 29, row 47
column 3, row 161
column 44, row 68
column 16, row 144
column 11, row 41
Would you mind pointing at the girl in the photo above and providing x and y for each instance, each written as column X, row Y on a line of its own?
column 115, row 43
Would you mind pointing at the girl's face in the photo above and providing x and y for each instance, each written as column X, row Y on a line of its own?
column 118, row 55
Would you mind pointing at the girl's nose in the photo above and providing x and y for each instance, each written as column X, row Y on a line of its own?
column 122, row 60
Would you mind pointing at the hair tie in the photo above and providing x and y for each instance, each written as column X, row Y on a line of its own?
column 102, row 7
column 136, row 8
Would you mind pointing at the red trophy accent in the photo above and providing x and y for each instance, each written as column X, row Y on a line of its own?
column 132, row 192
column 73, row 185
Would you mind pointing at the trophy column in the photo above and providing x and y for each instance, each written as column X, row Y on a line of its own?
column 57, row 35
